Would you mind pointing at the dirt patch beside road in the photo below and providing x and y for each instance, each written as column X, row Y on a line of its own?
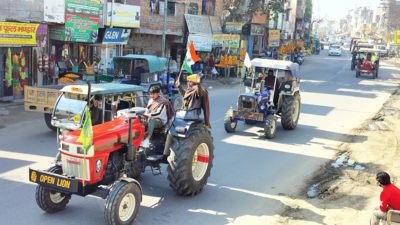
column 345, row 191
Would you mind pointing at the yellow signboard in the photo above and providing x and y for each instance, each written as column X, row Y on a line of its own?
column 22, row 34
column 367, row 30
column 397, row 37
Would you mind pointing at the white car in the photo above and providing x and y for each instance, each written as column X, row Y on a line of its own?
column 335, row 50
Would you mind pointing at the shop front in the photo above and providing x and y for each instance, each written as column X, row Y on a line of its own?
column 18, row 42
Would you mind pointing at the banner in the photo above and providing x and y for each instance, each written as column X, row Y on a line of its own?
column 397, row 37
column 22, row 34
column 201, row 42
column 273, row 38
column 83, row 7
column 57, row 32
column 217, row 40
column 116, row 36
column 198, row 24
column 233, row 27
column 80, row 28
column 231, row 41
column 215, row 25
column 124, row 15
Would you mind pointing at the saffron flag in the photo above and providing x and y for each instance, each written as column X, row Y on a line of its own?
column 86, row 136
column 190, row 58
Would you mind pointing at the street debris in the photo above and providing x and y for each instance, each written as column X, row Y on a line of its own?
column 4, row 112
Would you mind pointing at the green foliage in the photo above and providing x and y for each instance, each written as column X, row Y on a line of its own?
column 308, row 11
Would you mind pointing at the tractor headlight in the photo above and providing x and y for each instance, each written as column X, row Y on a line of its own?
column 98, row 165
column 262, row 107
column 287, row 86
column 65, row 147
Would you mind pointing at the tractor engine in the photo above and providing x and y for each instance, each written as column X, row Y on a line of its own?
column 114, row 167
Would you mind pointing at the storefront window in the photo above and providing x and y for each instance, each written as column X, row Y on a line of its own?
column 193, row 8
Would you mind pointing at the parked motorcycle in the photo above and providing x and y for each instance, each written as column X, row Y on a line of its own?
column 322, row 46
column 317, row 51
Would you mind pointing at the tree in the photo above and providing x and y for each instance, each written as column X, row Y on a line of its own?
column 308, row 11
column 238, row 12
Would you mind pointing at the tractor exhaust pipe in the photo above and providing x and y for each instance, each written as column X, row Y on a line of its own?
column 131, row 148
column 89, row 92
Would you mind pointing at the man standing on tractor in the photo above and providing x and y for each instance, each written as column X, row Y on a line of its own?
column 158, row 112
column 194, row 99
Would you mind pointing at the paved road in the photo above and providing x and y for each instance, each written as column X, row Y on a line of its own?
column 249, row 172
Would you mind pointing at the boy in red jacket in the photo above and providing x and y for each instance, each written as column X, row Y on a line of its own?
column 390, row 198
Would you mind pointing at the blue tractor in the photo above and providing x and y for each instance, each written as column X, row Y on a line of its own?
column 133, row 70
column 262, row 104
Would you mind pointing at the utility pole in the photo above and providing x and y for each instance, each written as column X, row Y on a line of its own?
column 163, row 31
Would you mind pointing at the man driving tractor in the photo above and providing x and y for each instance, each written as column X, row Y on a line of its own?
column 158, row 112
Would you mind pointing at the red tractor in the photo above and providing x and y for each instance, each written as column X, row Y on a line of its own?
column 368, row 62
column 114, row 162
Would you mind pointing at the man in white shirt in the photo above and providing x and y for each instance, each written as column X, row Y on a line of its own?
column 159, row 110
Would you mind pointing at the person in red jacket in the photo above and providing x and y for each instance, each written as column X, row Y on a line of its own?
column 390, row 199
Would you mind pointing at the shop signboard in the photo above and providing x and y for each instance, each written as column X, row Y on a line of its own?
column 116, row 36
column 231, row 41
column 83, row 7
column 217, row 40
column 367, row 30
column 57, row 32
column 201, row 42
column 198, row 24
column 233, row 27
column 274, row 36
column 22, row 34
column 80, row 28
column 124, row 15
column 397, row 37
column 215, row 25
column 256, row 30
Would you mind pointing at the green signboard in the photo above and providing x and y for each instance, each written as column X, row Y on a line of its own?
column 80, row 28
column 83, row 7
column 57, row 33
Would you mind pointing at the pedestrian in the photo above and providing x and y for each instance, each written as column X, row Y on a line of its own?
column 390, row 199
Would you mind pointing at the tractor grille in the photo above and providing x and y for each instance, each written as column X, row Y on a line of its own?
column 74, row 167
column 247, row 104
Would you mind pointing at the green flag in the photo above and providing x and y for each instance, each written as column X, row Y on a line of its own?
column 86, row 136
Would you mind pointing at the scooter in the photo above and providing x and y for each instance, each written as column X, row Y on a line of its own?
column 317, row 51
column 322, row 46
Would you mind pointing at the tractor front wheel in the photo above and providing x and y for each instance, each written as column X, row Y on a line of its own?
column 193, row 162
column 230, row 125
column 51, row 201
column 122, row 205
column 290, row 111
column 270, row 127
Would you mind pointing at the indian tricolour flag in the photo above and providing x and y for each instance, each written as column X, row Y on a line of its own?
column 190, row 58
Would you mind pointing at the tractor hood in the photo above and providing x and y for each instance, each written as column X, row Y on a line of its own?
column 109, row 135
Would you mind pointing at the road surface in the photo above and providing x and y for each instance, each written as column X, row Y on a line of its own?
column 252, row 177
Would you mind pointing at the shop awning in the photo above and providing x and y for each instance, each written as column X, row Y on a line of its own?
column 156, row 64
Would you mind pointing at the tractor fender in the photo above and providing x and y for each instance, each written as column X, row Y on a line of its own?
column 181, row 128
column 131, row 180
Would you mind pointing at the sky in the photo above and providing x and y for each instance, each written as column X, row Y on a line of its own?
column 336, row 9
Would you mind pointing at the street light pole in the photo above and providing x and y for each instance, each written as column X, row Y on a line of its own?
column 112, row 8
column 163, row 31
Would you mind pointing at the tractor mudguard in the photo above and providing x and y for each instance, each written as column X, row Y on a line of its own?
column 181, row 128
column 131, row 180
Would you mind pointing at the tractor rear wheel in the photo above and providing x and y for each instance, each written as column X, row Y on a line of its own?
column 47, row 119
column 193, row 162
column 270, row 127
column 230, row 125
column 290, row 111
column 177, row 102
column 358, row 73
column 122, row 204
column 51, row 201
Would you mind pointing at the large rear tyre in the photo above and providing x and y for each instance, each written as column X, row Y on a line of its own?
column 193, row 162
column 177, row 102
column 290, row 111
column 47, row 119
column 51, row 201
column 229, row 124
column 122, row 205
column 270, row 127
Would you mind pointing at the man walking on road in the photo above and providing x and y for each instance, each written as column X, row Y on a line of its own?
column 390, row 199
